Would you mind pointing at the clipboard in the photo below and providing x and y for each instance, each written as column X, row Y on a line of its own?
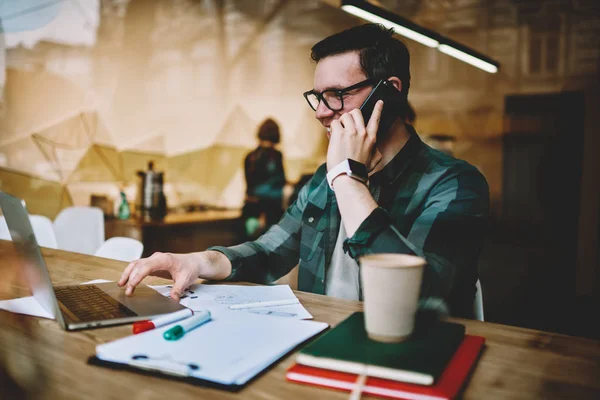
column 225, row 353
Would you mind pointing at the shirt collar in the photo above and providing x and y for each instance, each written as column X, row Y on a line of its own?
column 401, row 160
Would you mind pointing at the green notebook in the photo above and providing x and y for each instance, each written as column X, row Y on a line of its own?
column 420, row 359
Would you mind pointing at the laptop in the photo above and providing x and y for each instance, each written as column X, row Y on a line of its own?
column 77, row 306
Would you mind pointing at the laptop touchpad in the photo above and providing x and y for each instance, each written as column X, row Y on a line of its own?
column 144, row 301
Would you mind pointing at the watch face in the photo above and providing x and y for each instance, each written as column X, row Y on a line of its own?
column 359, row 170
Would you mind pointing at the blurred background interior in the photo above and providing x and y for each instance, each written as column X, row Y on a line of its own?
column 93, row 91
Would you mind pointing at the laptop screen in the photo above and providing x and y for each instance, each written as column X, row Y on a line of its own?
column 27, row 254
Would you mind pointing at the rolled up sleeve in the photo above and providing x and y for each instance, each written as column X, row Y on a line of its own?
column 448, row 232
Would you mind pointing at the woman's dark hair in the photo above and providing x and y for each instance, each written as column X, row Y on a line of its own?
column 269, row 131
column 381, row 56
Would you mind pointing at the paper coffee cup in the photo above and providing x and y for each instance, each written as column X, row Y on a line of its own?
column 391, row 285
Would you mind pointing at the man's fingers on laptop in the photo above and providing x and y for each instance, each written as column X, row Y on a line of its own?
column 126, row 273
column 143, row 268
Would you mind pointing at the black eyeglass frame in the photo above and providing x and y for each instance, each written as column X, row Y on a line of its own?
column 338, row 92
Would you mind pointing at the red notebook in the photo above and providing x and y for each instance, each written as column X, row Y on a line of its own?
column 446, row 387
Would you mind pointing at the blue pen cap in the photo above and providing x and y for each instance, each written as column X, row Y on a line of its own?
column 174, row 333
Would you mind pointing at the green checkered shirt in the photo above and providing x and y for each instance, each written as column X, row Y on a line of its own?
column 430, row 204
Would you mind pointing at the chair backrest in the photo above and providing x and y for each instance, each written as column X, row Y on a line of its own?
column 121, row 248
column 4, row 232
column 80, row 229
column 43, row 230
column 478, row 303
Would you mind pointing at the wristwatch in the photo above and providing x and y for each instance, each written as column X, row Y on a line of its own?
column 353, row 169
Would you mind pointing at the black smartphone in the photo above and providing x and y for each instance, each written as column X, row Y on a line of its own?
column 384, row 90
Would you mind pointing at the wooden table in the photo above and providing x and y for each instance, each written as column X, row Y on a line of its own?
column 179, row 233
column 516, row 363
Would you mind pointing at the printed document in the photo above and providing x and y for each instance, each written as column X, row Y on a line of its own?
column 219, row 297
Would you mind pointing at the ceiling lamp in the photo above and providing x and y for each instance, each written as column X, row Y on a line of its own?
column 427, row 37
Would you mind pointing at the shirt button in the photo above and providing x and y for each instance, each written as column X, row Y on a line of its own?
column 322, row 280
column 311, row 219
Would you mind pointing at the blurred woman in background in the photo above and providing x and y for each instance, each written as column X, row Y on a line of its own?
column 265, row 179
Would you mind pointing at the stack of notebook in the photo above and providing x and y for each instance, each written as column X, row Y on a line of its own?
column 432, row 364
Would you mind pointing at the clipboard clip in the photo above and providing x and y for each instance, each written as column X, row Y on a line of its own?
column 164, row 365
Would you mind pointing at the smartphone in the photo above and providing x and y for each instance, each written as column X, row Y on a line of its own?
column 384, row 90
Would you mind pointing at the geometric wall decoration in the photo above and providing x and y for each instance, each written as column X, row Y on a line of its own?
column 95, row 166
column 162, row 84
column 42, row 196
column 186, row 84
column 25, row 156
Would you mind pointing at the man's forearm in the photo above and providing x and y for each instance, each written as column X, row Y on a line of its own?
column 215, row 265
column 354, row 201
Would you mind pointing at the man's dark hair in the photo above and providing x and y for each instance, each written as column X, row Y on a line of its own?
column 269, row 131
column 410, row 115
column 381, row 56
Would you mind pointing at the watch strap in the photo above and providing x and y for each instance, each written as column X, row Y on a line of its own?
column 345, row 167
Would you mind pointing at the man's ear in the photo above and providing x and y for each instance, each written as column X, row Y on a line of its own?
column 396, row 82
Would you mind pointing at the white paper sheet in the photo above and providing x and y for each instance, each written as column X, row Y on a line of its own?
column 29, row 305
column 198, row 297
column 25, row 305
column 220, row 297
column 230, row 349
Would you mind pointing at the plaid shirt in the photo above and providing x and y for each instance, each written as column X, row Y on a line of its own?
column 430, row 204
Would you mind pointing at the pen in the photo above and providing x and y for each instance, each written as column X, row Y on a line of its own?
column 143, row 326
column 177, row 332
column 270, row 303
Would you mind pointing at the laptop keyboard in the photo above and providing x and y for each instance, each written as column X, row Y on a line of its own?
column 90, row 303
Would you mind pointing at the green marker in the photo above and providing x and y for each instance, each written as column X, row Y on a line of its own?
column 177, row 332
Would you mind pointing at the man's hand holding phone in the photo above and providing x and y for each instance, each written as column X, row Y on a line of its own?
column 350, row 138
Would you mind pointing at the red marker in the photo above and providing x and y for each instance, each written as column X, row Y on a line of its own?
column 143, row 326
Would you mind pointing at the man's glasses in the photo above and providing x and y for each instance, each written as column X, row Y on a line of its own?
column 332, row 98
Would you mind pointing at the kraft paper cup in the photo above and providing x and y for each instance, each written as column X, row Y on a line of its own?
column 391, row 286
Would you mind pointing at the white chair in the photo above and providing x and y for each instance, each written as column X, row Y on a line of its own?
column 42, row 229
column 121, row 248
column 478, row 303
column 80, row 229
column 4, row 232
